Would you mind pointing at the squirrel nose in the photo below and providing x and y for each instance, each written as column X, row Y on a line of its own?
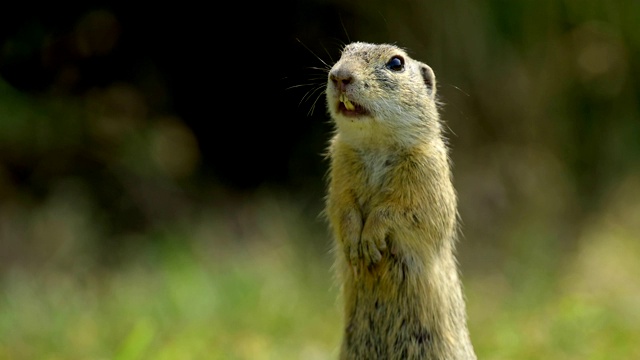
column 341, row 77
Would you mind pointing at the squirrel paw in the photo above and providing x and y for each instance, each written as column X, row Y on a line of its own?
column 373, row 238
column 367, row 251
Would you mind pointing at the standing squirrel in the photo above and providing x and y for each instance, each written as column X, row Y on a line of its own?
column 392, row 208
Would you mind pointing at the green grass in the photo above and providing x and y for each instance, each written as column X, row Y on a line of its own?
column 177, row 308
column 213, row 291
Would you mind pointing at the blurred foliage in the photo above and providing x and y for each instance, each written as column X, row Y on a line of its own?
column 161, row 177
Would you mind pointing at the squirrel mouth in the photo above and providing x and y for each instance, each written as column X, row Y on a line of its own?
column 348, row 108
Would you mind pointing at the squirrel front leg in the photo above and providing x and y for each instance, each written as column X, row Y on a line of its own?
column 373, row 240
column 349, row 231
column 363, row 240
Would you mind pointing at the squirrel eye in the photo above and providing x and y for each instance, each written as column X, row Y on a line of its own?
column 396, row 63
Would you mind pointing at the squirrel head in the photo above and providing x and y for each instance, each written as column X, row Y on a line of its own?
column 378, row 92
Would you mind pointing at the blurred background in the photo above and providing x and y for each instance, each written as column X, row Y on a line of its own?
column 161, row 174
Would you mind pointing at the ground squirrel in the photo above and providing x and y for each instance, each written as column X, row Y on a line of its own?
column 392, row 208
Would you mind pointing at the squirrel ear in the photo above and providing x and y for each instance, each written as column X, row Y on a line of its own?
column 429, row 79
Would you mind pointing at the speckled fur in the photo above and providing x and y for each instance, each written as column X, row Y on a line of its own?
column 392, row 208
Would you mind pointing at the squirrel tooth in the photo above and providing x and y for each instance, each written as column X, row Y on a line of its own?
column 349, row 105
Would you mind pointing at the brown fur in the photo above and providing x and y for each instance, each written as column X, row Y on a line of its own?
column 392, row 208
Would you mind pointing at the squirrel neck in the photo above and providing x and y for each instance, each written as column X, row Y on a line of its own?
column 373, row 134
